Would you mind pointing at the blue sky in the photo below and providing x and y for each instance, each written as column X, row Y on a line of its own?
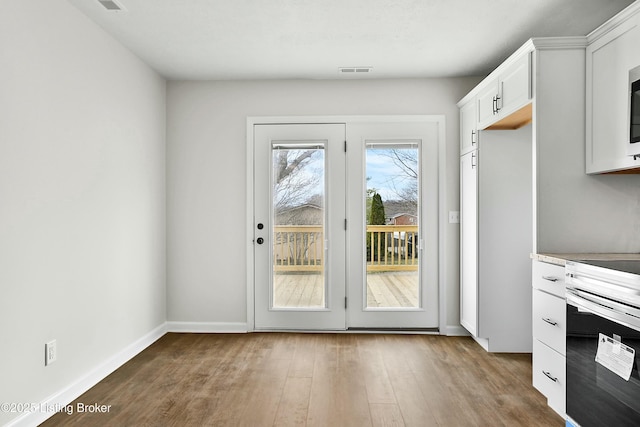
column 383, row 174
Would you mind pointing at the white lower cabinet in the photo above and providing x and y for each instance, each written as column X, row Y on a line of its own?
column 549, row 320
column 549, row 375
column 549, row 333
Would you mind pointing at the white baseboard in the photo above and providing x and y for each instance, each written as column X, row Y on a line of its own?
column 484, row 343
column 455, row 331
column 207, row 327
column 65, row 396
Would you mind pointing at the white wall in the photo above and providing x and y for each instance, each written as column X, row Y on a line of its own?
column 576, row 212
column 82, row 198
column 206, row 175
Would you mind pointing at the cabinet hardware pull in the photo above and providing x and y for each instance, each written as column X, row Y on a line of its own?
column 495, row 103
column 549, row 321
column 473, row 140
column 548, row 375
column 550, row 278
column 473, row 160
column 498, row 108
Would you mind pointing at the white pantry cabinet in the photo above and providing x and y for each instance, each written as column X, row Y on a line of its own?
column 469, row 126
column 496, row 210
column 523, row 161
column 469, row 242
column 612, row 51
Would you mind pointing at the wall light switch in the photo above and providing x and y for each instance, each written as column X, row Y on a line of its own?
column 454, row 217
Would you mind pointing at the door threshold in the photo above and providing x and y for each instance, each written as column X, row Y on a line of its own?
column 396, row 331
column 423, row 331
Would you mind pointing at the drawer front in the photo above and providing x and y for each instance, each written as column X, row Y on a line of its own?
column 549, row 375
column 548, row 277
column 549, row 320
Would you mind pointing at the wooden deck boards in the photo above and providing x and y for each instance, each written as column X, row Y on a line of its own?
column 398, row 289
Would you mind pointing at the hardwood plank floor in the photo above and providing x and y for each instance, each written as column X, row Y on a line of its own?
column 278, row 379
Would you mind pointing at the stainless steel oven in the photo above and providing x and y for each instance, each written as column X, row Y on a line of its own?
column 603, row 343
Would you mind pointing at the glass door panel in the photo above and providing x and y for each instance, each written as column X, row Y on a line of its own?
column 298, row 225
column 392, row 225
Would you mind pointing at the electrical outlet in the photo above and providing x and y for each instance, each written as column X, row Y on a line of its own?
column 50, row 353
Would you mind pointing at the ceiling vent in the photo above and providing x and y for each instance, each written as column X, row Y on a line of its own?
column 350, row 70
column 112, row 5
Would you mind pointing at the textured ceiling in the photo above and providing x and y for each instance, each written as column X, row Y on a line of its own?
column 288, row 39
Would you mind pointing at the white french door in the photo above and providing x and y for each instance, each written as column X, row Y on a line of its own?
column 299, row 227
column 345, row 225
column 393, row 262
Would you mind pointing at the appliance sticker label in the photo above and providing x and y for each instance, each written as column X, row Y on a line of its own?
column 615, row 356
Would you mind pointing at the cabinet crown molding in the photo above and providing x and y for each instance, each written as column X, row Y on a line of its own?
column 550, row 43
column 533, row 44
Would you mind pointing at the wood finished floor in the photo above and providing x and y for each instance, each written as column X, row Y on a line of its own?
column 277, row 379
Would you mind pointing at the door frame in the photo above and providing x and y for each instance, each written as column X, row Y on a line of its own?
column 396, row 119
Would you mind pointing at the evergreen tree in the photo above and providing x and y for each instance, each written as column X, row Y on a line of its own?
column 377, row 217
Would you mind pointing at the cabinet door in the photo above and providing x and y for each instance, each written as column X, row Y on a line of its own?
column 515, row 86
column 609, row 60
column 469, row 242
column 468, row 126
column 549, row 375
column 548, row 277
column 487, row 105
column 549, row 320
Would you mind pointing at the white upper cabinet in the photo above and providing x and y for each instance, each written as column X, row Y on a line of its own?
column 515, row 85
column 500, row 101
column 487, row 103
column 468, row 126
column 611, row 53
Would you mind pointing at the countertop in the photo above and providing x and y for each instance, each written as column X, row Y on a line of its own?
column 561, row 259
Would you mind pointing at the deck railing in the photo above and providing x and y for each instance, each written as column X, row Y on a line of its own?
column 389, row 248
column 392, row 247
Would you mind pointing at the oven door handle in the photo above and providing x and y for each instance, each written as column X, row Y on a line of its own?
column 589, row 305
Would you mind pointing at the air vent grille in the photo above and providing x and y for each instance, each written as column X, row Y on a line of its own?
column 348, row 70
column 111, row 5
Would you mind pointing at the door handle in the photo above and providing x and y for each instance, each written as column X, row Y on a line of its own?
column 549, row 321
column 259, row 240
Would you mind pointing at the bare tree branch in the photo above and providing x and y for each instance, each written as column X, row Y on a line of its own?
column 285, row 165
column 295, row 182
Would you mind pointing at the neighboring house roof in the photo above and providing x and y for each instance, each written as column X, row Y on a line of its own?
column 307, row 214
column 403, row 214
column 306, row 205
column 398, row 207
